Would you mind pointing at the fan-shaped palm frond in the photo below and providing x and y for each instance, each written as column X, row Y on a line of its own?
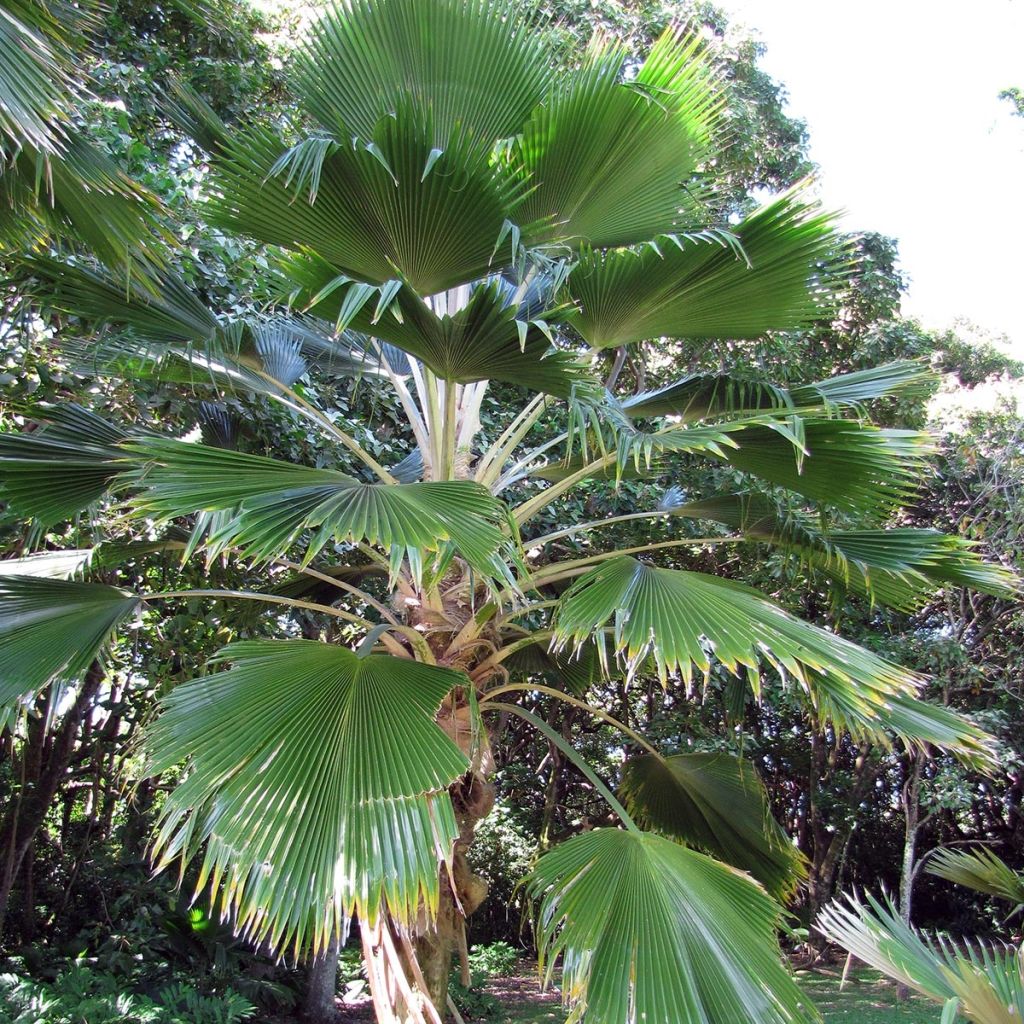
column 694, row 288
column 983, row 983
column 317, row 780
column 980, row 870
column 167, row 309
column 610, row 159
column 898, row 567
column 53, row 473
column 52, row 630
column 717, row 803
column 846, row 464
column 683, row 618
column 477, row 67
column 488, row 339
column 698, row 396
column 648, row 930
column 274, row 502
column 390, row 209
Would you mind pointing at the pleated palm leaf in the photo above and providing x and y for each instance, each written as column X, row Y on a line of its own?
column 463, row 213
column 54, row 183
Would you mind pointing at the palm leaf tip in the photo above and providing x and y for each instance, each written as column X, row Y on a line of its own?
column 701, row 287
column 478, row 67
column 317, row 798
column 651, row 931
column 718, row 803
column 980, row 870
column 52, row 630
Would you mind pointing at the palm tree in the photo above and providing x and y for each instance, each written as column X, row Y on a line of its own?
column 461, row 213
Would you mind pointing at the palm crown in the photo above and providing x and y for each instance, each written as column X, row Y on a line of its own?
column 461, row 212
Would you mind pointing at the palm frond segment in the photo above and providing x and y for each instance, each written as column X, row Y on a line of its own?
column 845, row 464
column 317, row 780
column 477, row 68
column 707, row 288
column 899, row 567
column 389, row 209
column 700, row 396
column 648, row 930
column 273, row 504
column 980, row 870
column 682, row 619
column 52, row 630
column 717, row 803
column 490, row 338
column 58, row 470
column 982, row 982
column 608, row 158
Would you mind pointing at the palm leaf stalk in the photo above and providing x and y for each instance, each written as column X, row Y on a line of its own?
column 460, row 214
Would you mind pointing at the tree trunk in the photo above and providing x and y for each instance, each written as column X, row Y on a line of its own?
column 912, row 825
column 44, row 763
column 321, row 988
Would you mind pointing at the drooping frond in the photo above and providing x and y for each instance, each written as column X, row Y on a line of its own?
column 682, row 619
column 318, row 781
column 717, row 803
column 273, row 504
column 476, row 67
column 488, row 339
column 648, row 930
column 702, row 395
column 705, row 288
column 981, row 870
column 55, row 472
column 81, row 196
column 165, row 310
column 52, row 630
column 610, row 159
column 899, row 567
column 34, row 90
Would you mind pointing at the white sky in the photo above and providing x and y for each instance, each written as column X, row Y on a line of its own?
column 900, row 99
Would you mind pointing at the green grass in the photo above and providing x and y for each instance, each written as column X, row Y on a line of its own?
column 866, row 998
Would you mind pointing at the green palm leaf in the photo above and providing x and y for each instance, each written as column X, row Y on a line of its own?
column 488, row 339
column 609, row 159
column 704, row 288
column 54, row 473
column 52, row 630
column 317, row 780
column 980, row 870
column 165, row 310
column 651, row 931
column 701, row 395
column 682, row 618
column 899, row 567
column 34, row 89
column 850, row 465
column 983, row 983
column 717, row 803
column 275, row 502
column 477, row 67
column 389, row 209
